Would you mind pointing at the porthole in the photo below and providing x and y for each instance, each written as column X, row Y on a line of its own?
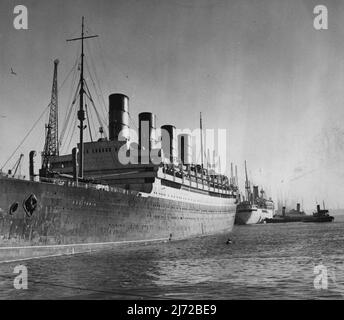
column 13, row 208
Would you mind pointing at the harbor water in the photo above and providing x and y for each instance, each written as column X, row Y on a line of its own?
column 262, row 262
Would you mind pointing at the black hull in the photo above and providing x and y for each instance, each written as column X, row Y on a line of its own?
column 284, row 220
column 304, row 219
column 318, row 219
column 73, row 219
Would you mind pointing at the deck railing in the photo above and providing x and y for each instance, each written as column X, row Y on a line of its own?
column 70, row 183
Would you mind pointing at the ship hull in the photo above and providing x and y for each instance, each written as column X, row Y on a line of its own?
column 318, row 219
column 253, row 216
column 285, row 219
column 71, row 219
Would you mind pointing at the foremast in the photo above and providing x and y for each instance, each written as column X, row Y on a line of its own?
column 81, row 111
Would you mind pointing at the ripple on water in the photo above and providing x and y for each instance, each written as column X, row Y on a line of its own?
column 264, row 262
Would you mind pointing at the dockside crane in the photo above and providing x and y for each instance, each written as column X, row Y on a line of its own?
column 51, row 146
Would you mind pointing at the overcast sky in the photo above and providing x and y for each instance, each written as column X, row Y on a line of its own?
column 256, row 68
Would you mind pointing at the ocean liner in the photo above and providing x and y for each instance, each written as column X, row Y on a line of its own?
column 254, row 209
column 95, row 198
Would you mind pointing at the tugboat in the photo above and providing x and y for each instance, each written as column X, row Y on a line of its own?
column 321, row 215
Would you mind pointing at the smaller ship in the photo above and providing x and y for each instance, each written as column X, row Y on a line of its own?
column 293, row 215
column 321, row 215
column 254, row 209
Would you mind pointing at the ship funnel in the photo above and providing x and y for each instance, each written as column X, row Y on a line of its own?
column 147, row 135
column 255, row 193
column 118, row 117
column 318, row 207
column 169, row 143
column 32, row 155
column 298, row 207
column 185, row 148
column 283, row 211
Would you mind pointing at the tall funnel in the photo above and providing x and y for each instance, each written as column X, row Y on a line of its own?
column 185, row 148
column 118, row 117
column 147, row 135
column 169, row 142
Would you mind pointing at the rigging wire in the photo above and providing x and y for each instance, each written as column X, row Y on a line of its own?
column 90, row 116
column 98, row 42
column 70, row 99
column 88, row 95
column 68, row 75
column 88, row 121
column 93, row 125
column 135, row 126
column 70, row 129
column 74, row 88
column 93, row 65
column 96, row 90
column 35, row 124
column 23, row 140
column 63, row 132
column 67, row 124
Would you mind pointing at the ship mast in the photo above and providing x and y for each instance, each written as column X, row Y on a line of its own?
column 201, row 127
column 81, row 112
column 247, row 184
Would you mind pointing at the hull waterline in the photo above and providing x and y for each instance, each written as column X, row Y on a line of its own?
column 72, row 219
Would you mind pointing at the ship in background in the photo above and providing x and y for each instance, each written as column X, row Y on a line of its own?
column 254, row 208
column 321, row 215
column 283, row 215
column 91, row 200
column 298, row 215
